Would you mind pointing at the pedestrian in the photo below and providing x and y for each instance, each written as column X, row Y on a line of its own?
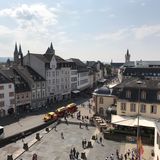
column 117, row 153
column 34, row 156
column 62, row 136
column 85, row 142
column 80, row 124
column 86, row 126
column 70, row 156
column 74, row 152
column 82, row 118
column 100, row 139
column 77, row 155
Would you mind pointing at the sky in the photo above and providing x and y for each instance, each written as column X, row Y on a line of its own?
column 85, row 29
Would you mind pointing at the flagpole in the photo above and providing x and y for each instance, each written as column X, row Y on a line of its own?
column 138, row 128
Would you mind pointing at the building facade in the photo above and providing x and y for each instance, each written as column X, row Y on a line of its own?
column 82, row 74
column 7, row 96
column 134, row 97
column 102, row 101
column 55, row 70
column 22, row 90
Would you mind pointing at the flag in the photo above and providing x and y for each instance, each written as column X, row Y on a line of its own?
column 140, row 148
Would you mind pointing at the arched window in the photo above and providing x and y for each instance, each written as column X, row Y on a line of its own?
column 101, row 111
column 143, row 95
column 101, row 100
column 158, row 96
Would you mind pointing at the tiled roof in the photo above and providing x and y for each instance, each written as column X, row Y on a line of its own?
column 59, row 59
column 4, row 79
column 41, row 57
column 145, row 83
column 20, row 84
column 116, row 65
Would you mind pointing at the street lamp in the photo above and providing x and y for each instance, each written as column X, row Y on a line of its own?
column 138, row 128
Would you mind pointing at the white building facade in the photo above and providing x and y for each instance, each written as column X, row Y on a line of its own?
column 7, row 96
column 56, row 72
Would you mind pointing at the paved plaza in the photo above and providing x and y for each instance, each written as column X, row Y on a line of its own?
column 53, row 147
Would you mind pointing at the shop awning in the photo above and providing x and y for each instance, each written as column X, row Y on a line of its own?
column 132, row 121
column 75, row 91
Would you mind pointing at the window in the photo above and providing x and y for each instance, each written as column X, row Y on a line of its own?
column 158, row 96
column 33, row 95
column 101, row 100
column 27, row 95
column 1, row 95
column 153, row 109
column 128, row 94
column 1, row 87
column 43, row 84
column 38, row 85
column 133, row 107
column 33, row 86
column 9, row 86
column 143, row 95
column 53, row 81
column 22, row 96
column 12, row 101
column 1, row 103
column 53, row 73
column 143, row 108
column 11, row 94
column 101, row 111
column 123, row 106
column 43, row 93
column 57, row 73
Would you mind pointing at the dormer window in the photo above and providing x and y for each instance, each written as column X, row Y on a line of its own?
column 158, row 96
column 101, row 100
column 128, row 94
column 143, row 95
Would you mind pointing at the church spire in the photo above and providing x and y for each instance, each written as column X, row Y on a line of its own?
column 50, row 50
column 51, row 46
column 20, row 50
column 127, row 56
column 127, row 52
column 15, row 52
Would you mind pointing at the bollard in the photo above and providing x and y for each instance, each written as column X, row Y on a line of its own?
column 9, row 157
column 47, row 129
column 37, row 136
column 25, row 146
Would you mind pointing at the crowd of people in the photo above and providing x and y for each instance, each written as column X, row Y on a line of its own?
column 129, row 155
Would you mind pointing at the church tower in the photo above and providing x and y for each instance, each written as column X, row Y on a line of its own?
column 15, row 53
column 50, row 50
column 127, row 56
column 18, row 56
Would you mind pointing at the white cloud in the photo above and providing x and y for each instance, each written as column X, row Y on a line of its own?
column 31, row 16
column 146, row 31
column 37, row 24
column 136, row 33
column 118, row 35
